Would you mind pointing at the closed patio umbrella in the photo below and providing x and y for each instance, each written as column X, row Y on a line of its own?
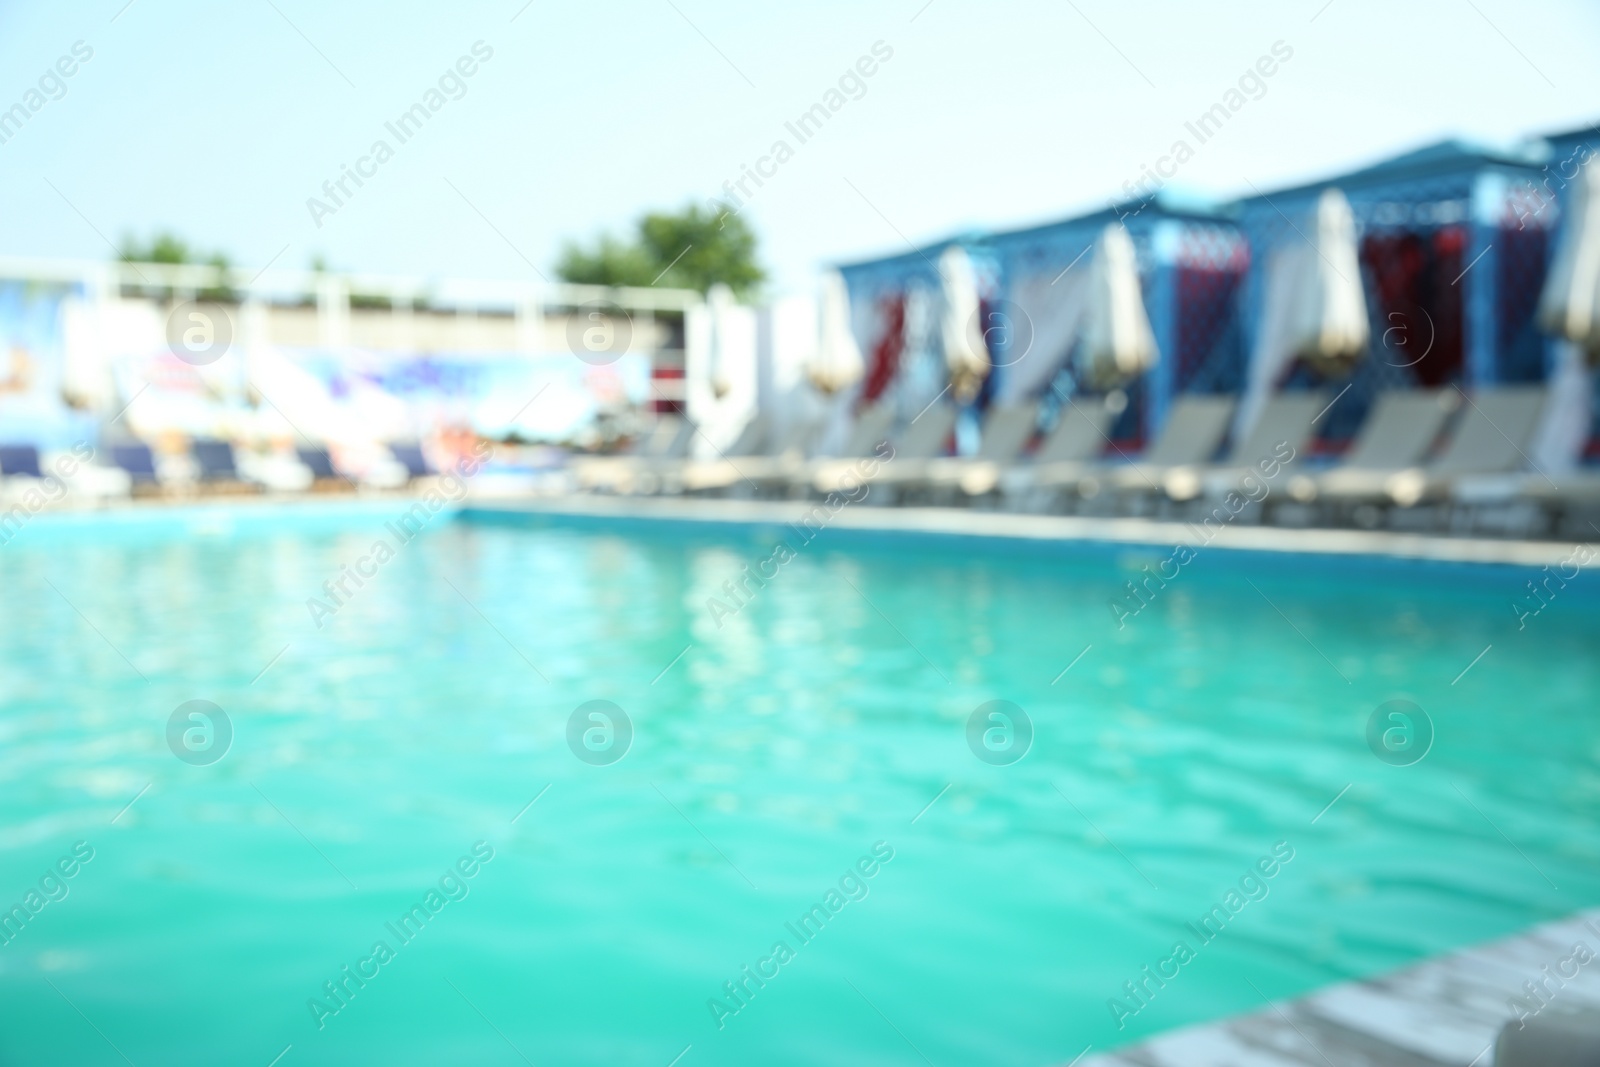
column 1329, row 324
column 837, row 363
column 965, row 352
column 1115, row 342
column 720, row 301
column 1569, row 307
column 1314, row 307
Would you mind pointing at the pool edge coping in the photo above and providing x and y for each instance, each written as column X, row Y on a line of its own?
column 1019, row 528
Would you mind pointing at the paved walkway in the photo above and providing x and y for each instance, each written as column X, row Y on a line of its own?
column 1444, row 1011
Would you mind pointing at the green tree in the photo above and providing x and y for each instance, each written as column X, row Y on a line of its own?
column 690, row 249
column 171, row 249
column 163, row 248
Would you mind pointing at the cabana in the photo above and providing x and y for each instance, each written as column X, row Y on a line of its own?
column 1190, row 260
column 897, row 313
column 1452, row 256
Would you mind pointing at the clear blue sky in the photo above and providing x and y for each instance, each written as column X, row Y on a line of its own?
column 219, row 120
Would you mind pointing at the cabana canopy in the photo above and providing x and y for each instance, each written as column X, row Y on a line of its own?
column 1451, row 264
column 1450, row 247
column 898, row 316
column 1187, row 258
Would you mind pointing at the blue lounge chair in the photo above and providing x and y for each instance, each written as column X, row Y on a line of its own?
column 411, row 457
column 319, row 461
column 137, row 460
column 20, row 459
column 216, row 461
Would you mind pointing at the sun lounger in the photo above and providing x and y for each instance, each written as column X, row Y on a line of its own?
column 368, row 465
column 1006, row 432
column 20, row 461
column 217, row 467
column 726, row 469
column 137, row 460
column 662, row 472
column 1488, row 449
column 144, row 470
column 318, row 462
column 1569, row 501
column 58, row 474
column 922, row 440
column 1491, row 438
column 1067, row 453
column 774, row 469
column 1192, row 434
column 216, row 461
column 752, row 438
column 152, row 471
column 19, row 470
column 783, row 462
column 275, row 471
column 639, row 470
column 870, row 429
column 1398, row 432
column 410, row 457
column 1283, row 429
column 88, row 479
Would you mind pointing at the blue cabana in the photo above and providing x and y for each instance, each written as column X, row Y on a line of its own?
column 1452, row 262
column 895, row 304
column 1453, row 244
column 1191, row 260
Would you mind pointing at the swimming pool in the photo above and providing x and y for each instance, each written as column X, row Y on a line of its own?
column 799, row 773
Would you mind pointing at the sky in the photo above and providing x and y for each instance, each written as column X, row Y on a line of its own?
column 220, row 121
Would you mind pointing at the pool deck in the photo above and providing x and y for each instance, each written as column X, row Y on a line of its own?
column 963, row 524
column 1444, row 1012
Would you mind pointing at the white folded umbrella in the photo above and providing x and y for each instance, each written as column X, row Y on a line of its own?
column 1115, row 342
column 1314, row 306
column 1330, row 326
column 1569, row 306
column 965, row 352
column 837, row 362
column 721, row 302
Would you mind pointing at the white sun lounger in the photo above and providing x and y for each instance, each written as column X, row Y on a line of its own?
column 1398, row 432
column 922, row 439
column 1006, row 431
column 1490, row 438
column 1067, row 452
column 1571, row 501
column 1285, row 423
column 1489, row 446
column 870, row 429
column 728, row 468
column 1193, row 432
column 667, row 442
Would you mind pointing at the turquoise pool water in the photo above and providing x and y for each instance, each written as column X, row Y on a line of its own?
column 768, row 762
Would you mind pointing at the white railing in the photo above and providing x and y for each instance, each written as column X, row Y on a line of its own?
column 274, row 285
